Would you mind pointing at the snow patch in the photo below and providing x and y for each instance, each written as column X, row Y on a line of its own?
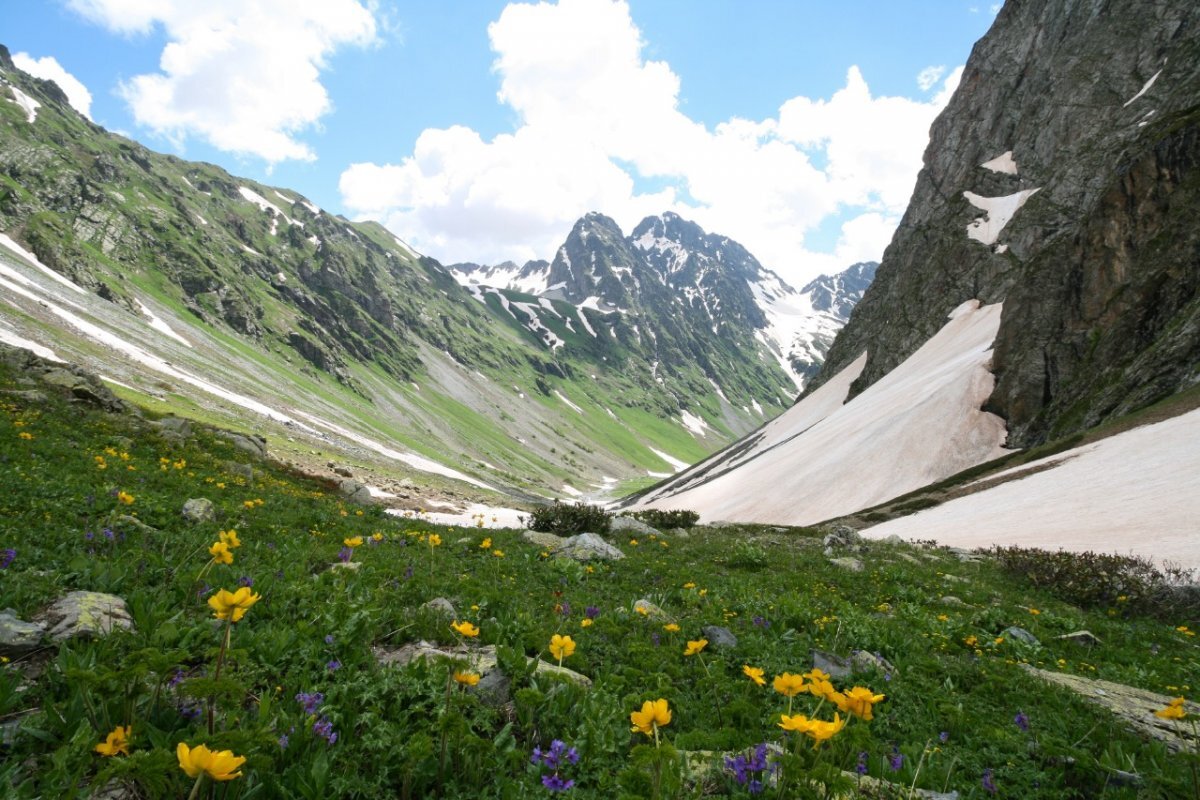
column 159, row 325
column 566, row 400
column 505, row 517
column 1002, row 163
column 1145, row 88
column 32, row 259
column 999, row 211
column 203, row 221
column 17, row 340
column 674, row 462
column 266, row 205
column 568, row 489
column 27, row 103
column 693, row 423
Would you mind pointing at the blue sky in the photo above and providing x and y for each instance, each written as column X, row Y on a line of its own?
column 480, row 130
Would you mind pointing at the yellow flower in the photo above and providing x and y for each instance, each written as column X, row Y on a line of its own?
column 230, row 538
column 125, row 497
column 434, row 540
column 561, row 646
column 466, row 678
column 585, row 623
column 754, row 673
column 465, row 628
column 822, row 731
column 221, row 553
column 116, row 742
column 486, row 544
column 1034, row 611
column 671, row 627
column 943, row 618
column 789, row 684
column 1174, row 710
column 633, row 542
column 641, row 610
column 694, row 647
column 498, row 553
column 998, row 640
column 797, row 722
column 689, row 585
column 249, row 504
column 1185, row 631
column 377, row 537
column 859, row 701
column 702, row 592
column 232, row 605
column 26, row 435
column 971, row 641
column 816, row 674
column 654, row 715
column 199, row 759
column 355, row 541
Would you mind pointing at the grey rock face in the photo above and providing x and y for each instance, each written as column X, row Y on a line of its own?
column 440, row 605
column 18, row 637
column 1021, row 635
column 253, row 445
column 630, row 525
column 85, row 615
column 199, row 509
column 1097, row 271
column 543, row 539
column 719, row 637
column 588, row 546
column 176, row 425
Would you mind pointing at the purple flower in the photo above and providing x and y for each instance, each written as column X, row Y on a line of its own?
column 755, row 786
column 344, row 554
column 896, row 759
column 565, row 609
column 176, row 679
column 591, row 612
column 89, row 536
column 944, row 736
column 283, row 742
column 203, row 590
column 108, row 534
column 329, row 638
column 1021, row 721
column 861, row 766
column 245, row 580
column 555, row 783
column 333, row 666
column 324, row 728
column 9, row 554
column 408, row 573
column 311, row 702
column 761, row 622
column 989, row 785
column 654, row 637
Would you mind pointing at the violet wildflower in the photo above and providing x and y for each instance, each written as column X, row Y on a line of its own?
column 555, row 758
column 654, row 637
column 89, row 536
column 989, row 785
column 245, row 580
column 761, row 621
column 311, row 702
column 861, row 766
column 749, row 770
column 324, row 728
column 565, row 609
column 283, row 742
column 944, row 737
column 1021, row 721
column 108, row 534
column 555, row 783
column 333, row 666
column 8, row 555
column 203, row 590
column 176, row 679
column 329, row 638
column 591, row 612
column 344, row 554
column 896, row 759
column 408, row 573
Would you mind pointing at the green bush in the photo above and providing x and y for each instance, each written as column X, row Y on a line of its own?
column 665, row 520
column 568, row 519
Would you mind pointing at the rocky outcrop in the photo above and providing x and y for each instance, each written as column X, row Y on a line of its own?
column 1088, row 114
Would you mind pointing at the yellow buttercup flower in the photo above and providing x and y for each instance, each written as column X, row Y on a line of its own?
column 585, row 623
column 498, row 553
column 754, row 673
column 671, row 627
column 377, row 537
column 1174, row 710
column 219, row 766
column 465, row 628
column 466, row 678
column 655, row 714
column 858, row 701
column 232, row 605
column 689, row 585
column 221, row 553
column 116, row 742
column 354, row 541
column 486, row 544
column 798, row 723
column 125, row 498
column 789, row 684
column 434, row 540
column 561, row 646
column 694, row 647
column 822, row 688
column 823, row 731
column 816, row 674
column 230, row 538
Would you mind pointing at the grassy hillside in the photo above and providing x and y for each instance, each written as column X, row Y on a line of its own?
column 92, row 501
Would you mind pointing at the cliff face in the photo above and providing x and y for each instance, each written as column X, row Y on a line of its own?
column 1062, row 181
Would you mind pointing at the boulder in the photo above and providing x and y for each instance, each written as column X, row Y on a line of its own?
column 344, row 471
column 630, row 525
column 442, row 606
column 355, row 492
column 1020, row 635
column 847, row 562
column 1081, row 638
column 543, row 539
column 240, row 470
column 719, row 637
column 842, row 536
column 176, row 425
column 953, row 602
column 253, row 445
column 199, row 509
column 588, row 547
column 18, row 637
column 648, row 609
column 85, row 615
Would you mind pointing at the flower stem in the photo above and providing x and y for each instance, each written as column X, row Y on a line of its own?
column 196, row 787
column 212, row 699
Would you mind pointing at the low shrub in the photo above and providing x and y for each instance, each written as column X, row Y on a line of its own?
column 562, row 518
column 665, row 520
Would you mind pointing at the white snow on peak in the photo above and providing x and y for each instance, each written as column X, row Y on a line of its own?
column 824, row 457
column 203, row 221
column 999, row 211
column 675, row 463
column 693, row 423
column 27, row 103
column 567, row 400
column 1145, row 88
column 159, row 325
column 310, row 206
column 32, row 259
column 403, row 246
column 1002, row 163
column 266, row 205
column 583, row 318
column 963, row 308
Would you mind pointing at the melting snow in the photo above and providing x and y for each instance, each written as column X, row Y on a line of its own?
column 693, row 423
column 999, row 211
column 17, row 340
column 564, row 398
column 159, row 325
column 32, row 259
column 1141, row 91
column 1002, row 163
column 571, row 490
column 266, row 205
column 505, row 517
column 203, row 221
column 404, row 246
column 27, row 103
column 674, row 462
column 583, row 318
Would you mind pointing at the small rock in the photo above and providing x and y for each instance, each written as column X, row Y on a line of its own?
column 18, row 637
column 116, row 790
column 679, row 533
column 842, row 536
column 893, row 539
column 30, row 396
column 85, row 615
column 127, row 521
column 177, row 425
column 355, row 492
column 344, row 471
column 588, row 546
column 953, row 578
column 847, row 562
column 348, row 566
column 648, row 609
column 864, row 661
column 909, row 558
column 720, row 638
column 836, row 666
column 254, row 445
column 1081, row 638
column 720, row 523
column 543, row 539
column 240, row 470
column 199, row 509
column 1120, row 777
column 440, row 605
column 1020, row 635
column 953, row 602
column 630, row 525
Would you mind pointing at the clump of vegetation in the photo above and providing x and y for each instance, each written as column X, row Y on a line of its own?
column 665, row 520
column 567, row 519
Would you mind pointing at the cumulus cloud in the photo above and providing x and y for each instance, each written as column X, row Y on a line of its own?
column 243, row 75
column 597, row 124
column 48, row 68
column 928, row 77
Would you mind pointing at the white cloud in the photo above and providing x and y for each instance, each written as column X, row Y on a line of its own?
column 928, row 77
column 243, row 75
column 596, row 122
column 48, row 67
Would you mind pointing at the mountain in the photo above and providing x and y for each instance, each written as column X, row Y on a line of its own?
column 677, row 281
column 1043, row 282
column 198, row 292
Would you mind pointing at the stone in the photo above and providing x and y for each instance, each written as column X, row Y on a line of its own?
column 953, row 602
column 543, row 539
column 18, row 637
column 85, row 615
column 719, row 637
column 1134, row 707
column 1081, row 638
column 240, row 470
column 254, row 445
column 344, row 471
column 176, row 425
column 893, row 539
column 680, row 533
column 31, row 396
column 648, row 609
column 116, row 790
column 866, row 661
column 355, row 492
column 345, row 566
column 440, row 605
column 847, row 562
column 588, row 546
column 842, row 536
column 199, row 509
column 720, row 523
column 948, row 578
column 909, row 557
column 126, row 521
column 1020, row 635
column 630, row 525
column 835, row 665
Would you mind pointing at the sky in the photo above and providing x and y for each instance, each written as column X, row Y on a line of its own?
column 480, row 130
